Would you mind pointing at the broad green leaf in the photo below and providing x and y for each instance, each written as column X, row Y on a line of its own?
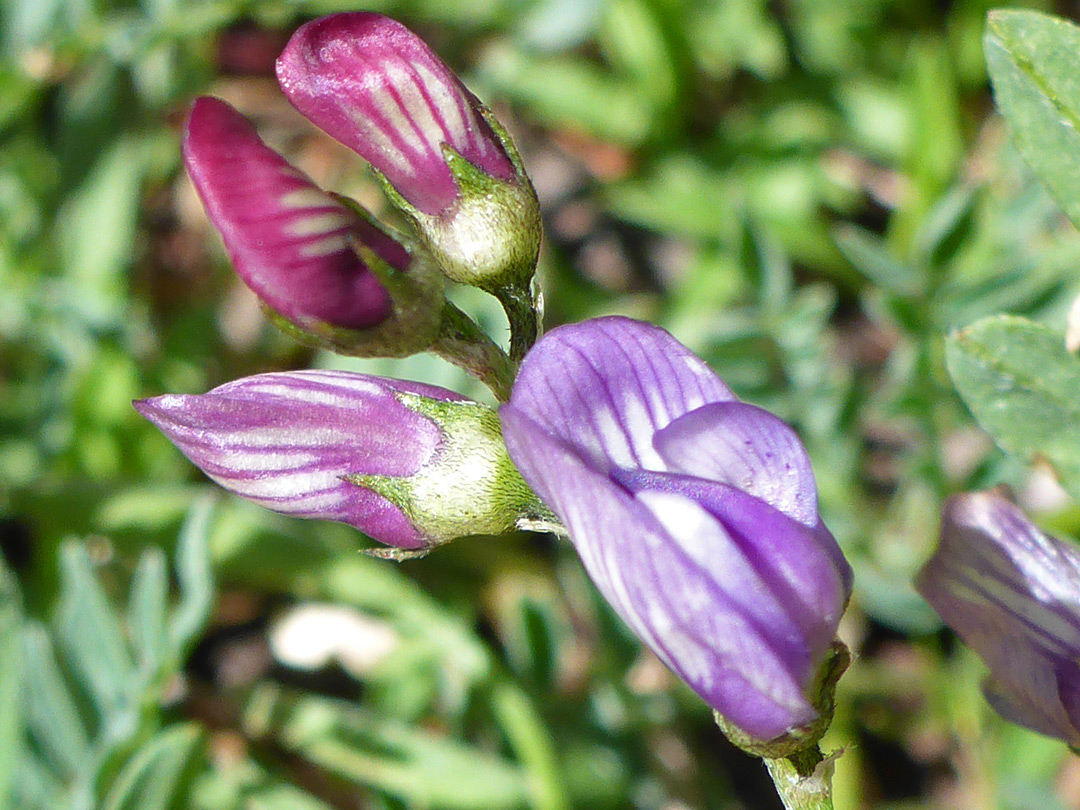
column 1024, row 389
column 420, row 768
column 147, row 604
column 153, row 777
column 1032, row 60
column 196, row 578
column 11, row 682
column 90, row 633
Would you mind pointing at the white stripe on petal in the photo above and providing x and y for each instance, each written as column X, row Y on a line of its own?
column 317, row 224
column 447, row 101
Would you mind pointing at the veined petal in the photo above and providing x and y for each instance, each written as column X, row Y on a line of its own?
column 285, row 440
column 375, row 86
column 289, row 240
column 609, row 384
column 659, row 559
column 778, row 570
column 1012, row 594
column 748, row 448
column 993, row 564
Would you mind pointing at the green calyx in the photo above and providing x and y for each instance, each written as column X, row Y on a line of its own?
column 470, row 486
column 418, row 300
column 822, row 695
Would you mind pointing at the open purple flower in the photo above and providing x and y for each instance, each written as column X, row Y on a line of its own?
column 695, row 515
column 292, row 243
column 1012, row 594
column 375, row 86
column 410, row 465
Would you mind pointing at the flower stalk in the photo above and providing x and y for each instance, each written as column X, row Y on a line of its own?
column 804, row 779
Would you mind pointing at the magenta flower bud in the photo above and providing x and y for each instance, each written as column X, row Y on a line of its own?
column 695, row 515
column 378, row 88
column 1012, row 594
column 318, row 263
column 410, row 465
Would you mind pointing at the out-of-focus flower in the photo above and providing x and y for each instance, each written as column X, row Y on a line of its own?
column 695, row 515
column 410, row 465
column 1012, row 594
column 320, row 264
column 375, row 86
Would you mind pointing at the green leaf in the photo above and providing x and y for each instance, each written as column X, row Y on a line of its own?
column 420, row 768
column 147, row 605
column 153, row 778
column 196, row 578
column 90, row 633
column 1024, row 389
column 51, row 715
column 11, row 687
column 1032, row 60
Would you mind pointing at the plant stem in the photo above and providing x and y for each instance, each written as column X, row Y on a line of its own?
column 523, row 313
column 803, row 780
column 464, row 344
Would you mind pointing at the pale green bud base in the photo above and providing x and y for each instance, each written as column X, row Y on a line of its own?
column 803, row 777
column 470, row 487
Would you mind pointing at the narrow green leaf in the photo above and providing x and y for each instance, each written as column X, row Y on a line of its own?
column 11, row 686
column 1032, row 60
column 90, row 634
column 872, row 259
column 51, row 715
column 147, row 605
column 153, row 778
column 196, row 578
column 1024, row 389
column 420, row 768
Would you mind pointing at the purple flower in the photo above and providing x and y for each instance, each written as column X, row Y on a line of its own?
column 292, row 243
column 695, row 515
column 410, row 465
column 1012, row 594
column 375, row 86
column 451, row 168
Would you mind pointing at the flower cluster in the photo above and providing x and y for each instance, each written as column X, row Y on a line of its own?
column 694, row 513
column 319, row 262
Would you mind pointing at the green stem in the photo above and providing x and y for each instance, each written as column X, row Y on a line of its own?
column 523, row 313
column 464, row 344
column 803, row 780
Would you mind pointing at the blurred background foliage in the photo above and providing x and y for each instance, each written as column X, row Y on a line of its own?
column 811, row 194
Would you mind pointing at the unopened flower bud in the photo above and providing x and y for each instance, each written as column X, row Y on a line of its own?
column 317, row 262
column 1012, row 594
column 410, row 465
column 447, row 163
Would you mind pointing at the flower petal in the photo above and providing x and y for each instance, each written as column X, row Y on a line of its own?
column 288, row 240
column 748, row 448
column 375, row 86
column 995, row 567
column 285, row 440
column 608, row 384
column 667, row 579
column 778, row 570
